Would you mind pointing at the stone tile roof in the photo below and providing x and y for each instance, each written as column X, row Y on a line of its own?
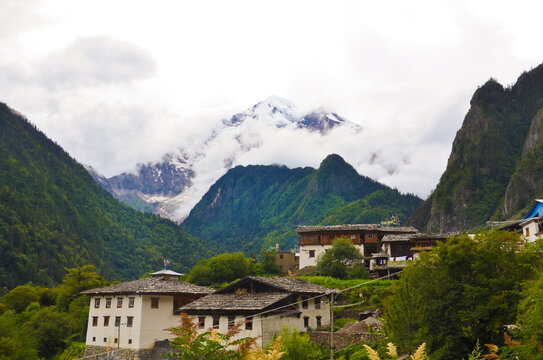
column 291, row 285
column 233, row 302
column 357, row 227
column 422, row 236
column 152, row 285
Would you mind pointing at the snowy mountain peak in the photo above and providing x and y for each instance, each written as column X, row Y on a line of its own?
column 274, row 110
column 171, row 187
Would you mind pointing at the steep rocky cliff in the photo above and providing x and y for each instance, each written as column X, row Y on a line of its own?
column 494, row 169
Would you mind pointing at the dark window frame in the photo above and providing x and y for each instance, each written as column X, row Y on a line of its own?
column 231, row 321
column 249, row 323
column 155, row 302
column 129, row 321
column 216, row 322
column 305, row 302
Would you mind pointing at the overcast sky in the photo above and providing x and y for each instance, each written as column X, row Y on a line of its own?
column 121, row 82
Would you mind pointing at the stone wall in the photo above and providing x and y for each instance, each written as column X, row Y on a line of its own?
column 341, row 340
column 93, row 352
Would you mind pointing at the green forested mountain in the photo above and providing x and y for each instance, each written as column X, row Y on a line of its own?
column 53, row 215
column 495, row 169
column 255, row 207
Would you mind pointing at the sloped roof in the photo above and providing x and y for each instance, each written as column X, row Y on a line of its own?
column 422, row 236
column 535, row 210
column 233, row 302
column 152, row 285
column 291, row 285
column 357, row 227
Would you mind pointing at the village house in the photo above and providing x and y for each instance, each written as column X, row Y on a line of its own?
column 264, row 305
column 531, row 224
column 315, row 240
column 397, row 249
column 133, row 315
column 287, row 260
column 409, row 246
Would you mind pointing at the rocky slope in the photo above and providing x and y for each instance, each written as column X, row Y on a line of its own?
column 495, row 169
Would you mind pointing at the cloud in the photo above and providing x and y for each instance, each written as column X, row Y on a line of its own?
column 96, row 60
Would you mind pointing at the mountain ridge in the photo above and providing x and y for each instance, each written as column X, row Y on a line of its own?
column 255, row 207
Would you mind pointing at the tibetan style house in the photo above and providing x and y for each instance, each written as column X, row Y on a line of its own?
column 133, row 315
column 315, row 240
column 264, row 305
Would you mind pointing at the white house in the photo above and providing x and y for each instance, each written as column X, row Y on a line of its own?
column 133, row 315
column 316, row 240
column 265, row 305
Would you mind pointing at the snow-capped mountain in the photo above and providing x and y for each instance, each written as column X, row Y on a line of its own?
column 172, row 186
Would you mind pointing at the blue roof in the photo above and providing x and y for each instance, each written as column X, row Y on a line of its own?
column 536, row 210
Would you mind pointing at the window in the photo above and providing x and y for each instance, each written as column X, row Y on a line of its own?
column 115, row 340
column 108, row 302
column 370, row 236
column 95, row 321
column 130, row 341
column 319, row 321
column 154, row 303
column 129, row 321
column 280, row 256
column 105, row 339
column 120, row 302
column 96, row 303
column 353, row 237
column 305, row 302
column 317, row 303
column 319, row 239
column 306, row 322
column 249, row 323
column 106, row 320
column 527, row 231
column 94, row 339
column 201, row 322
column 130, row 302
column 117, row 321
column 216, row 322
column 311, row 253
column 231, row 321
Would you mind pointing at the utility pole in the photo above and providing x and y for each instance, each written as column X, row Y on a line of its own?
column 331, row 325
column 119, row 335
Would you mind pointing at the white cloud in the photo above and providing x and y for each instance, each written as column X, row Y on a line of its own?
column 116, row 83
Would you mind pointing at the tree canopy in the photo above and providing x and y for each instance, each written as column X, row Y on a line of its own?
column 342, row 260
column 466, row 290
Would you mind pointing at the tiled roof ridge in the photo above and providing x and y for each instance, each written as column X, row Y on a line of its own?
column 307, row 228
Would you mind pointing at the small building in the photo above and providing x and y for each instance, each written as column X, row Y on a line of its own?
column 532, row 222
column 265, row 305
column 133, row 315
column 287, row 260
column 409, row 246
column 315, row 240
